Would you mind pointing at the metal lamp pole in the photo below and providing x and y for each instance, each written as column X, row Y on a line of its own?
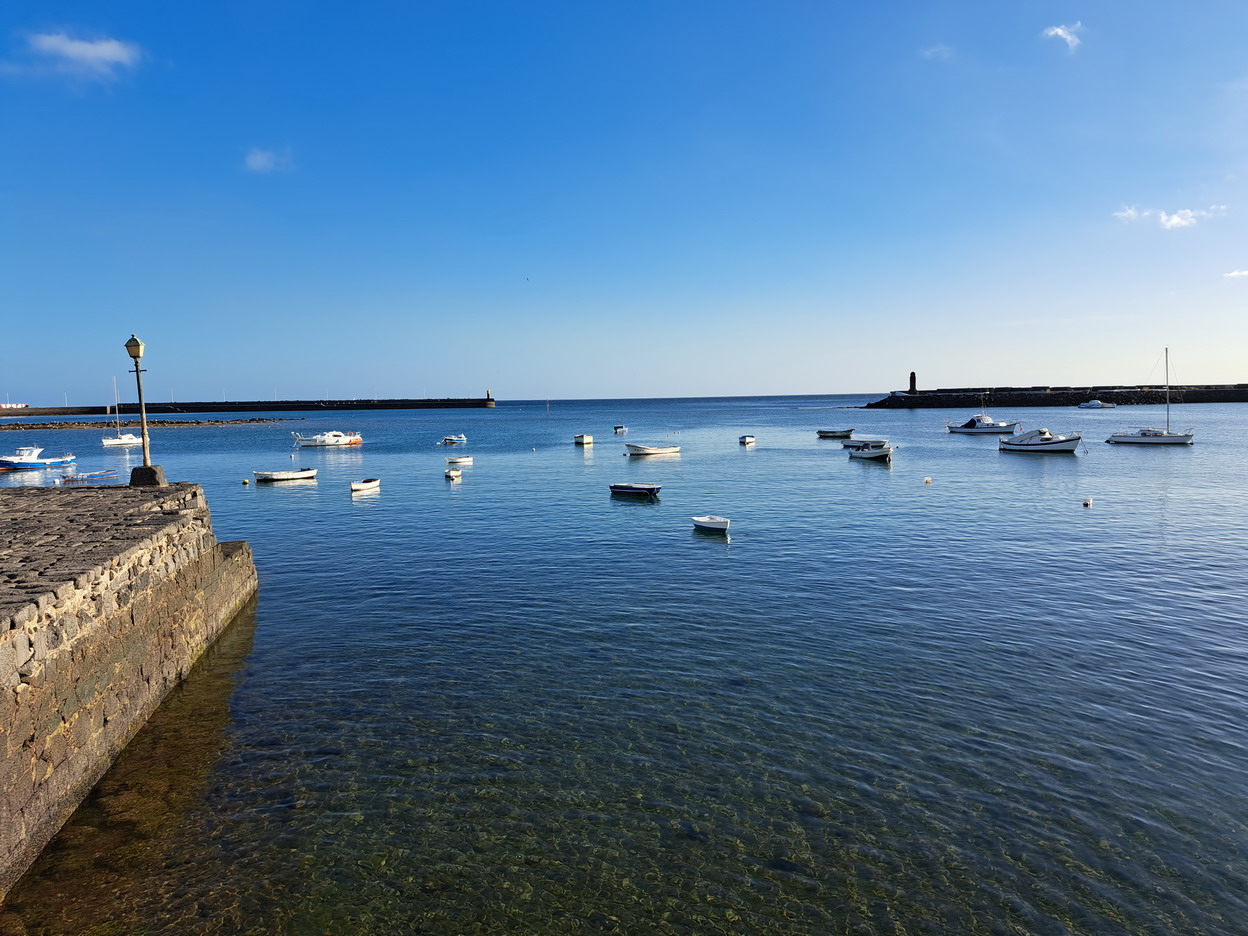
column 149, row 474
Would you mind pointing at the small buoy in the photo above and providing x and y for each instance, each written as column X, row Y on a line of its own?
column 1087, row 502
column 927, row 480
column 245, row 481
column 292, row 454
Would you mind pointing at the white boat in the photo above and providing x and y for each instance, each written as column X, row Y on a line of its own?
column 459, row 460
column 328, row 439
column 834, row 433
column 27, row 457
column 1096, row 404
column 297, row 474
column 870, row 449
column 454, row 440
column 636, row 487
column 983, row 423
column 620, row 429
column 583, row 439
column 1148, row 435
column 1040, row 440
column 747, row 440
column 651, row 449
column 368, row 484
column 453, row 474
column 121, row 438
column 711, row 522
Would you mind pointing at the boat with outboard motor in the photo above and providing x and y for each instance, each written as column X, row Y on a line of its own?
column 1040, row 440
column 28, row 457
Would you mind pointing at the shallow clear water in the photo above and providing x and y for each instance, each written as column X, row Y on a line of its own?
column 517, row 704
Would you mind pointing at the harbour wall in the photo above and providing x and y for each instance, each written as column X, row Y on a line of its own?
column 984, row 397
column 256, row 406
column 108, row 596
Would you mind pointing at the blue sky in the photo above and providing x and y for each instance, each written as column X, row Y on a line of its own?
column 607, row 199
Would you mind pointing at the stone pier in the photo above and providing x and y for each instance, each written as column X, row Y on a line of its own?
column 108, row 596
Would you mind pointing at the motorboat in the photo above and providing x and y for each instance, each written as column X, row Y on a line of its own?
column 453, row 474
column 651, row 449
column 583, row 439
column 28, row 457
column 459, row 460
column 711, row 522
column 327, row 439
column 121, row 438
column 642, row 488
column 747, row 440
column 1149, row 435
column 620, row 430
column 1096, row 404
column 983, row 423
column 295, row 474
column 454, row 440
column 834, row 433
column 870, row 449
column 368, row 484
column 87, row 476
column 1040, row 440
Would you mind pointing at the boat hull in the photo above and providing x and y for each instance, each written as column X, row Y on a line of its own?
column 305, row 474
column 1039, row 444
column 834, row 433
column 127, row 439
column 652, row 449
column 1152, row 437
column 368, row 484
column 639, row 489
column 328, row 439
column 712, row 523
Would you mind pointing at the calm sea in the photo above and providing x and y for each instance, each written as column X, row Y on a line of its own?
column 518, row 705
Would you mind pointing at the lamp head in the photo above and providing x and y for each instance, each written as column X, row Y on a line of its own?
column 134, row 348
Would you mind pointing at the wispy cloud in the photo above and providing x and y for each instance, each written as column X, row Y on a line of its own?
column 84, row 59
column 1068, row 34
column 1235, row 274
column 1183, row 218
column 937, row 53
column 264, row 161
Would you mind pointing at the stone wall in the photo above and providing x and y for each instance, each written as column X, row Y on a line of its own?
column 108, row 596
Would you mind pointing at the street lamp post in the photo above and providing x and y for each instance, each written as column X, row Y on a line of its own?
column 147, row 474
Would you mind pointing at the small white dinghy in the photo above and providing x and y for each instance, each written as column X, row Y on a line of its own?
column 453, row 474
column 651, row 449
column 870, row 449
column 459, row 460
column 834, row 433
column 583, row 439
column 747, row 440
column 1040, row 440
column 368, row 484
column 300, row 474
column 711, row 522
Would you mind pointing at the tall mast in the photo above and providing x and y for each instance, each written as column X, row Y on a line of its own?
column 1167, row 391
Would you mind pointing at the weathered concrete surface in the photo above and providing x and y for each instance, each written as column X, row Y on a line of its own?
column 108, row 595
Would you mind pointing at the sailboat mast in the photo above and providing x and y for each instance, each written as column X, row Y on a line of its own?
column 1167, row 391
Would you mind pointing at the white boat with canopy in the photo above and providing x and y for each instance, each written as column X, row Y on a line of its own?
column 982, row 423
column 1040, row 440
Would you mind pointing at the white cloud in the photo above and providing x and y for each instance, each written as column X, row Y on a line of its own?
column 94, row 60
column 937, row 53
column 265, row 161
column 1235, row 274
column 1131, row 213
column 1183, row 218
column 1066, row 34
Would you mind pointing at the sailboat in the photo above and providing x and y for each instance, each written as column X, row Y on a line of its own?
column 121, row 438
column 1153, row 436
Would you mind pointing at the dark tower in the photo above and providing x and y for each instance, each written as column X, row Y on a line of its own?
column 913, row 386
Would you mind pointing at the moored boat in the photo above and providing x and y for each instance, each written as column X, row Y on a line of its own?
column 983, row 423
column 1040, row 440
column 583, row 439
column 619, row 429
column 28, row 457
column 651, row 449
column 85, row 476
column 123, row 438
column 327, row 439
column 1149, row 435
column 368, row 484
column 712, row 522
column 834, row 433
column 453, row 474
column 870, row 449
column 459, row 460
column 1096, row 404
column 454, row 439
column 747, row 440
column 295, row 474
column 642, row 488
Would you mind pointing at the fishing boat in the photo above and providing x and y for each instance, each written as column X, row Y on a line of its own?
column 453, row 474
column 583, row 439
column 108, row 475
column 28, row 457
column 459, row 460
column 454, row 440
column 121, row 438
column 641, row 488
column 1149, row 435
column 983, row 423
column 834, row 433
column 747, row 440
column 651, row 449
column 296, row 474
column 711, row 522
column 870, row 449
column 327, row 439
column 368, row 484
column 1040, row 441
column 1096, row 404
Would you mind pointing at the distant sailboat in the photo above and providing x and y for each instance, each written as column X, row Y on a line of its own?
column 1150, row 436
column 127, row 438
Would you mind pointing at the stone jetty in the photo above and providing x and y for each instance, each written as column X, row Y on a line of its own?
column 108, row 596
column 980, row 397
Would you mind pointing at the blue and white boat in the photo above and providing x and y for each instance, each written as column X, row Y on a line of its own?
column 28, row 457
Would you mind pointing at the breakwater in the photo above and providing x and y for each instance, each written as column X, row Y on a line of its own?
column 256, row 406
column 108, row 596
column 1057, row 396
